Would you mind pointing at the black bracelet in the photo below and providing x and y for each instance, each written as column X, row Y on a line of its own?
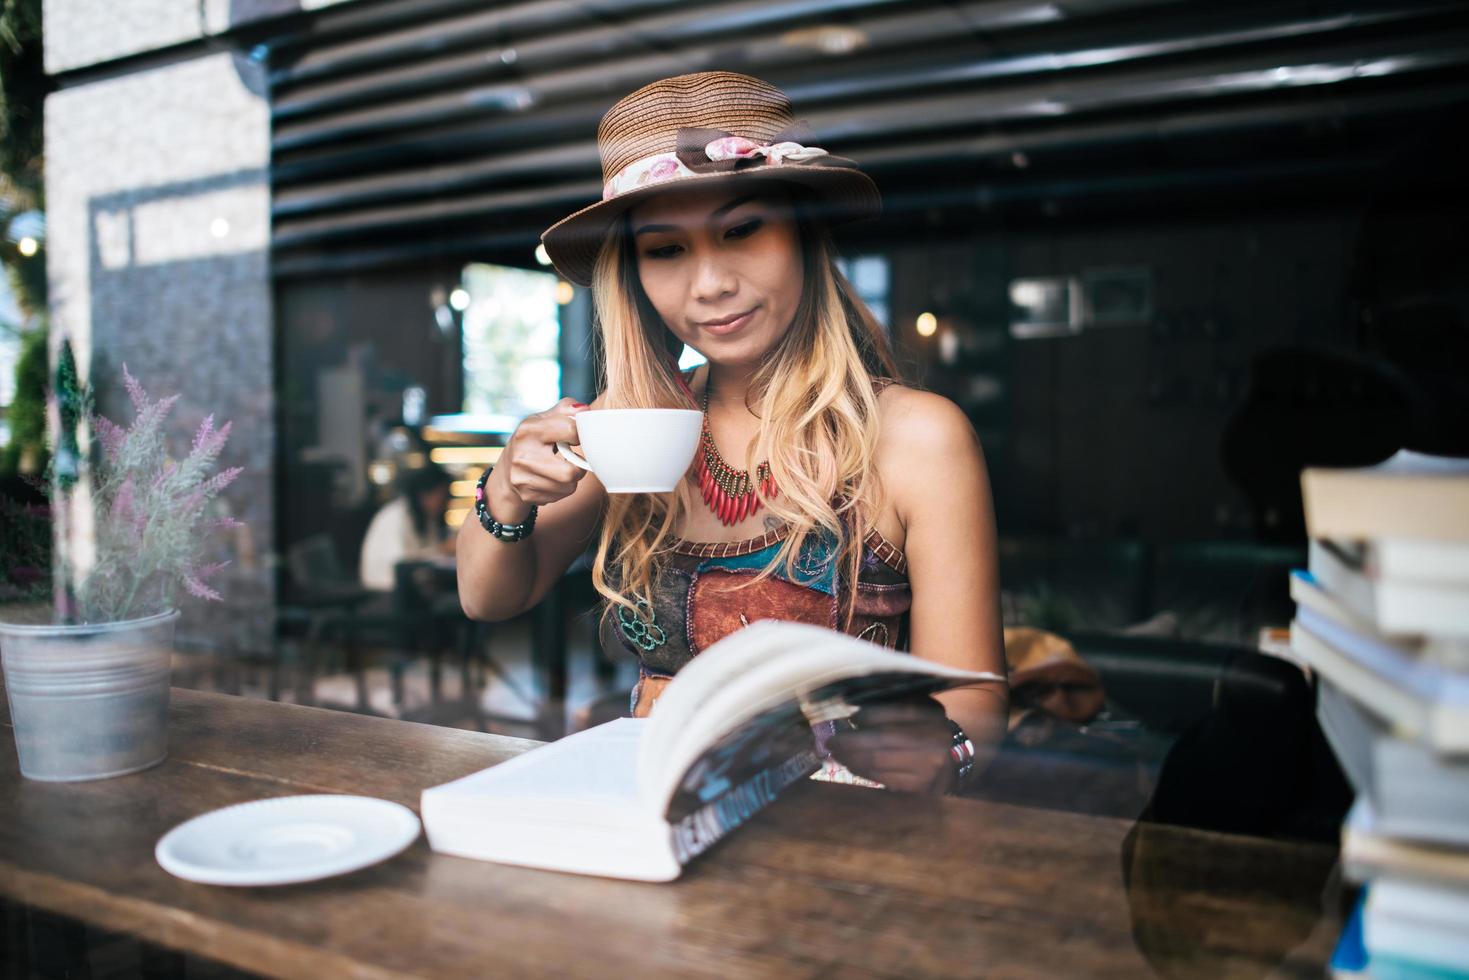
column 961, row 750
column 505, row 532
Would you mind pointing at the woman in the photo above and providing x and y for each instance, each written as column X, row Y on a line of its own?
column 815, row 470
column 410, row 527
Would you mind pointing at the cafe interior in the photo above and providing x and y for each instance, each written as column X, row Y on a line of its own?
column 1163, row 255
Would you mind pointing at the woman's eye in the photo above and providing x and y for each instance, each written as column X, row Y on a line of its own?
column 744, row 230
column 662, row 252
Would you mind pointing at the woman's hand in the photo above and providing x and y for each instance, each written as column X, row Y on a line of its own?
column 902, row 744
column 530, row 470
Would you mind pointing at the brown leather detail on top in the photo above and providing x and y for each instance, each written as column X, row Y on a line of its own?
column 883, row 601
column 732, row 549
column 722, row 602
column 885, row 550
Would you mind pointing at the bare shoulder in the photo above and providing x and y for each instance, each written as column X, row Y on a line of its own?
column 914, row 422
column 926, row 450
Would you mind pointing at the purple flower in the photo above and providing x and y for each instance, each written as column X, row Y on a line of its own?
column 199, row 589
column 208, row 441
column 135, row 390
column 143, row 491
column 154, row 414
column 189, row 503
column 194, row 580
column 206, row 429
column 220, row 480
column 111, row 436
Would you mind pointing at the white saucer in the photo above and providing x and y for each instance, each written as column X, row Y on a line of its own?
column 287, row 840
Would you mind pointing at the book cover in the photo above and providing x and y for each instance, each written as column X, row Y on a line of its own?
column 1449, row 652
column 1369, row 851
column 1410, row 495
column 1390, row 605
column 1420, row 700
column 1419, row 927
column 1413, row 791
column 1349, row 959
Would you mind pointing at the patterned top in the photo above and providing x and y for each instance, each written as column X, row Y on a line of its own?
column 698, row 602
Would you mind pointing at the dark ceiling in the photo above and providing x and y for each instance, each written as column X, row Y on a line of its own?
column 412, row 130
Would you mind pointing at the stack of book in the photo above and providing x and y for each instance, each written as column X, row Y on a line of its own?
column 1382, row 617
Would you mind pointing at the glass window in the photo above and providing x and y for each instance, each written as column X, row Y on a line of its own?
column 512, row 341
column 871, row 276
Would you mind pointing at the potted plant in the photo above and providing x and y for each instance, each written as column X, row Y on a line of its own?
column 89, row 688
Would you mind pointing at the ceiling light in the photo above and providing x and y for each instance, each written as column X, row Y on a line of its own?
column 830, row 39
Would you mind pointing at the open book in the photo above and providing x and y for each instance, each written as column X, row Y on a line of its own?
column 640, row 798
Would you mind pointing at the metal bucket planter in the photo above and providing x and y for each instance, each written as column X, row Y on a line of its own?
column 89, row 702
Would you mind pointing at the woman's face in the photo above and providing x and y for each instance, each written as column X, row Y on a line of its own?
column 434, row 500
column 722, row 267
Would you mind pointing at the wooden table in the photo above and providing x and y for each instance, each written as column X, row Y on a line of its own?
column 831, row 880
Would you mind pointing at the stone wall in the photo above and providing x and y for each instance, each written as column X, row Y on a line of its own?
column 84, row 33
column 158, row 222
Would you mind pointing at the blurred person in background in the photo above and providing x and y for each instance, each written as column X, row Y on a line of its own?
column 408, row 528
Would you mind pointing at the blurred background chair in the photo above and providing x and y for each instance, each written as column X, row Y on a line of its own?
column 433, row 624
column 325, row 610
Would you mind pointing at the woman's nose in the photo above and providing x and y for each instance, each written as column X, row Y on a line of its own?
column 713, row 279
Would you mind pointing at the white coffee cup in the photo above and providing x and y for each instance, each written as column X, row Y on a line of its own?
column 636, row 450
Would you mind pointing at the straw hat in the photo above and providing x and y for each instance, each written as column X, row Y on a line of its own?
column 682, row 131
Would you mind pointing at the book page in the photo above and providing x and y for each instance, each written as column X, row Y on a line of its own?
column 597, row 765
column 702, row 679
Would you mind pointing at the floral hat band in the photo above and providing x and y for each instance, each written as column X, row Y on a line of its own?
column 708, row 126
column 711, row 151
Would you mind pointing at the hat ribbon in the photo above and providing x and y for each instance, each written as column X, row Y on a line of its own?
column 708, row 151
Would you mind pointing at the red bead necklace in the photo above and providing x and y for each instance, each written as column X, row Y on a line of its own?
column 729, row 492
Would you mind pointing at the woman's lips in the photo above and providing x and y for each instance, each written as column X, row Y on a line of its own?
column 720, row 329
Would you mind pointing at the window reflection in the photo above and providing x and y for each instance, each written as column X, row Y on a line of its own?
column 511, row 336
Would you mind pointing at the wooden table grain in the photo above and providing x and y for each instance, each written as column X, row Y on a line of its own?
column 829, row 881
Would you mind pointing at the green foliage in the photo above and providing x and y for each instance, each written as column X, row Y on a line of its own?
column 1044, row 608
column 22, row 179
column 26, row 275
column 72, row 401
column 25, row 557
column 22, row 91
column 27, row 413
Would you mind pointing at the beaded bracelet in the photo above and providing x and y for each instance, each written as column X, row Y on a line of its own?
column 961, row 750
column 505, row 532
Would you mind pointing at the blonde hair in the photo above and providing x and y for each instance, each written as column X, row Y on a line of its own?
column 815, row 398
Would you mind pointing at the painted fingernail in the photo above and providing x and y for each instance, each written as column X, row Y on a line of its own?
column 577, row 405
